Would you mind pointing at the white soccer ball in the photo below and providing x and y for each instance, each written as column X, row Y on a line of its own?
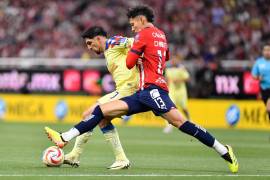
column 53, row 156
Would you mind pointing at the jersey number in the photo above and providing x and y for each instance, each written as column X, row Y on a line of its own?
column 160, row 57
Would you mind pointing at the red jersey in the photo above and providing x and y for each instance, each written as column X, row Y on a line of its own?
column 151, row 45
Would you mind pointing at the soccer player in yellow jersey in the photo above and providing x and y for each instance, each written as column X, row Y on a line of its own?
column 177, row 76
column 115, row 50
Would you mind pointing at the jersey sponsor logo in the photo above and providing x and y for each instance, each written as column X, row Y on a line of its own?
column 155, row 95
column 233, row 115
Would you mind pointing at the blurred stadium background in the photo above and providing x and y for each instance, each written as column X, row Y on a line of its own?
column 48, row 76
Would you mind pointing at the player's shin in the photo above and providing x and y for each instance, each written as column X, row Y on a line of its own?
column 205, row 137
column 73, row 157
column 198, row 132
column 80, row 143
column 111, row 135
column 88, row 124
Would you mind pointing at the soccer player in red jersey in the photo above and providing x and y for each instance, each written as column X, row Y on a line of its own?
column 149, row 52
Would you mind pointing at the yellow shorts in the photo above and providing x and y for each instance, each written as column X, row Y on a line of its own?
column 115, row 95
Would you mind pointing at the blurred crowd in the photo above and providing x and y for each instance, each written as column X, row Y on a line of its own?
column 210, row 30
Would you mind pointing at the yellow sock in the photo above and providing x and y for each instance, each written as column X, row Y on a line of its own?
column 112, row 137
column 80, row 143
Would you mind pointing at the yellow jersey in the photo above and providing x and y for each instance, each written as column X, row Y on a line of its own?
column 115, row 53
column 176, row 73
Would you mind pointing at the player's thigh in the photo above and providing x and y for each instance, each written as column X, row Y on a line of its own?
column 104, row 99
column 89, row 111
column 115, row 95
column 174, row 117
column 114, row 108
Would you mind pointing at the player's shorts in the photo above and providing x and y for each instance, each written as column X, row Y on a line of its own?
column 152, row 98
column 114, row 96
column 265, row 95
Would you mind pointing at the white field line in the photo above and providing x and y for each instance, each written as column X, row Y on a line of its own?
column 134, row 175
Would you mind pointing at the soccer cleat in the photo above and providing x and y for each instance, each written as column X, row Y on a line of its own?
column 234, row 165
column 72, row 159
column 55, row 137
column 119, row 165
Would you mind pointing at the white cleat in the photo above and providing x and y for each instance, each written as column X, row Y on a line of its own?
column 72, row 160
column 119, row 165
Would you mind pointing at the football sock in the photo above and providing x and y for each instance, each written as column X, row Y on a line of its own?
column 80, row 143
column 111, row 136
column 220, row 148
column 197, row 132
column 206, row 138
column 91, row 121
column 67, row 136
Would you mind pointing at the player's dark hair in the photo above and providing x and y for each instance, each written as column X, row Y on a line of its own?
column 93, row 32
column 141, row 10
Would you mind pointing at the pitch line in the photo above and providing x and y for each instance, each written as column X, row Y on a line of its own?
column 134, row 175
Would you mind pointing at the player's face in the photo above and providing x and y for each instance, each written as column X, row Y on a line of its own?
column 136, row 23
column 266, row 52
column 93, row 45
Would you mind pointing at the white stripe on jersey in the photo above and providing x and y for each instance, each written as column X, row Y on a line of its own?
column 142, row 76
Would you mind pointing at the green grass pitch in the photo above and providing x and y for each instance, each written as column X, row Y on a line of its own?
column 154, row 155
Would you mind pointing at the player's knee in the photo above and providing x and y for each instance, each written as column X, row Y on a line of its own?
column 104, row 123
column 175, row 118
column 87, row 112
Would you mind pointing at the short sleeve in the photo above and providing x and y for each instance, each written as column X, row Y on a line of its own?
column 255, row 70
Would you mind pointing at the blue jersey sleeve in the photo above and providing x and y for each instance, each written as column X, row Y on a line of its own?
column 119, row 42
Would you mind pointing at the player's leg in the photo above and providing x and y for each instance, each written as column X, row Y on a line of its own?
column 161, row 104
column 110, row 134
column 175, row 118
column 73, row 157
column 268, row 107
column 108, row 110
column 128, row 105
column 169, row 128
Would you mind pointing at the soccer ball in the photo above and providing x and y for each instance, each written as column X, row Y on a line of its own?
column 53, row 156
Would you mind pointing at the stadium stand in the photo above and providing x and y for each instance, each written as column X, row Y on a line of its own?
column 206, row 29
